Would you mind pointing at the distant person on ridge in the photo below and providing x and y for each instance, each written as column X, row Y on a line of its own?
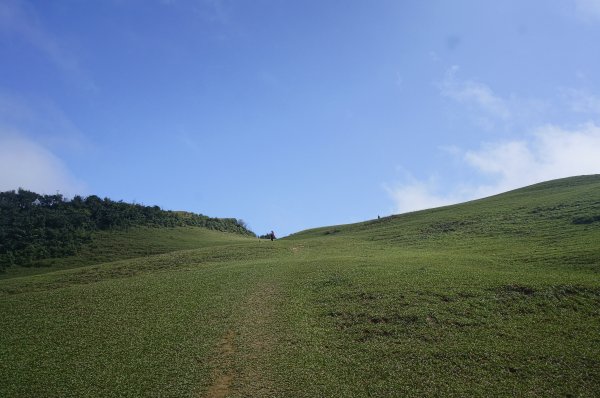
column 272, row 236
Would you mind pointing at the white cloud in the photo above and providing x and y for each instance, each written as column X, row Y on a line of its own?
column 26, row 164
column 418, row 195
column 549, row 153
column 32, row 132
column 473, row 93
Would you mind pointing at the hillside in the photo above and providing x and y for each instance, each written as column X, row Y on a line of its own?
column 122, row 244
column 495, row 297
column 36, row 230
column 553, row 223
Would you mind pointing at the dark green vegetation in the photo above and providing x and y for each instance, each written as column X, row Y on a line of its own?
column 36, row 228
column 496, row 297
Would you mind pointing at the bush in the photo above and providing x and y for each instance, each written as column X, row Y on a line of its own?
column 586, row 219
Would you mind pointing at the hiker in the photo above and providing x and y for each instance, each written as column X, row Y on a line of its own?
column 272, row 236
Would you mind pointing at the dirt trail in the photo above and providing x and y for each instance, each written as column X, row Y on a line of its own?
column 244, row 350
column 223, row 375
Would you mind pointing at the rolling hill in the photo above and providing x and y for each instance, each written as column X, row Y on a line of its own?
column 495, row 297
column 52, row 231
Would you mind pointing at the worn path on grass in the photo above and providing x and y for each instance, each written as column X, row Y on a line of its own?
column 242, row 355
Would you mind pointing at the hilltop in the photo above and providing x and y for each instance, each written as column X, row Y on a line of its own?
column 494, row 297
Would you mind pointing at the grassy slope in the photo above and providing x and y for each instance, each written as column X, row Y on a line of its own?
column 136, row 242
column 494, row 297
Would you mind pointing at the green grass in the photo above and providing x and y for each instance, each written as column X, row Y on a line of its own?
column 107, row 246
column 496, row 297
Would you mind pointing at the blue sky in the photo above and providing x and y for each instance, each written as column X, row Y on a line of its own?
column 297, row 114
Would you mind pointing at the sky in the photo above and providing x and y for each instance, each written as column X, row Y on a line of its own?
column 297, row 114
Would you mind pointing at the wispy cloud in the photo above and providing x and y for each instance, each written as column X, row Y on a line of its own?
column 19, row 18
column 188, row 141
column 217, row 11
column 582, row 101
column 474, row 94
column 41, row 117
column 588, row 9
column 550, row 152
column 486, row 108
column 26, row 164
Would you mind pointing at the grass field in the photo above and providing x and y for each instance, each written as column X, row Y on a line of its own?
column 113, row 245
column 496, row 297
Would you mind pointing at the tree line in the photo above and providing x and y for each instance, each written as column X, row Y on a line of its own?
column 35, row 226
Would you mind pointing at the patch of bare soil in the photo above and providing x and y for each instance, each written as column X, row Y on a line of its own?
column 223, row 375
column 259, row 339
column 247, row 350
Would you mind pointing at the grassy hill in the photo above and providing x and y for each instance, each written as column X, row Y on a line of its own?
column 37, row 229
column 495, row 297
column 553, row 223
column 122, row 244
